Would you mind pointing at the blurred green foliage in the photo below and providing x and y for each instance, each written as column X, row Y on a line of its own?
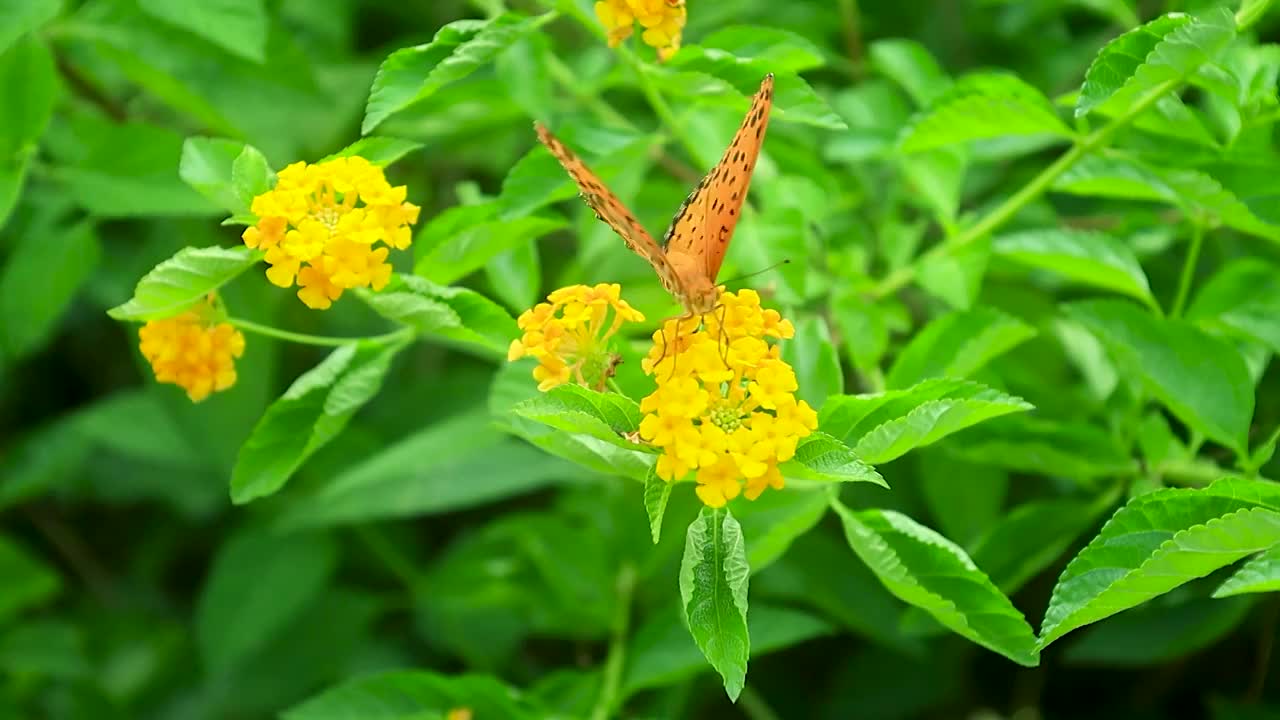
column 1035, row 284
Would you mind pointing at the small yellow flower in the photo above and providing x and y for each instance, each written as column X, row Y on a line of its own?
column 725, row 403
column 663, row 22
column 194, row 354
column 569, row 335
column 320, row 224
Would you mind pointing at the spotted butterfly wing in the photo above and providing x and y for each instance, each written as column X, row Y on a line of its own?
column 610, row 209
column 696, row 243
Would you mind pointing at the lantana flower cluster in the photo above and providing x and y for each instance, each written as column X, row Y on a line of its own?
column 321, row 226
column 193, row 352
column 663, row 22
column 725, row 404
column 569, row 335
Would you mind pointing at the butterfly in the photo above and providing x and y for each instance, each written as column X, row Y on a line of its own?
column 689, row 257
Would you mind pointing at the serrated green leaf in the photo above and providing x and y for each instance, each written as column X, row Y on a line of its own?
column 477, row 237
column 256, row 584
column 1157, row 542
column 413, row 74
column 1089, row 257
column 956, row 345
column 657, row 492
column 705, row 72
column 885, row 426
column 1242, row 298
column 926, row 570
column 1200, row 378
column 535, row 181
column 237, row 26
column 979, row 107
column 1260, row 574
column 381, row 151
column 1197, row 194
column 782, row 49
column 822, row 458
column 251, row 176
column 28, row 581
column 412, row 695
column 179, row 282
column 454, row 314
column 578, row 410
column 1166, row 49
column 313, row 411
column 207, row 164
column 713, row 591
column 453, row 464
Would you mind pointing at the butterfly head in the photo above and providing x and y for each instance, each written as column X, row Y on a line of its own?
column 700, row 296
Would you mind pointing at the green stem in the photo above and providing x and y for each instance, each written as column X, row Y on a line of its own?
column 754, row 706
column 613, row 665
column 322, row 340
column 1188, row 268
column 1029, row 192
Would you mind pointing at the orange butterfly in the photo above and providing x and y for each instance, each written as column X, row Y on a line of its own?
column 693, row 249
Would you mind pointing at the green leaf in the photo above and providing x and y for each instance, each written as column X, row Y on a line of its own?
column 28, row 90
column 251, row 176
column 1088, row 257
column 815, row 359
column 1056, row 449
column 657, row 492
column 237, row 26
column 1200, row 378
column 1166, row 49
column 574, row 409
column 911, row 66
column 19, row 17
column 885, row 426
column 257, row 583
column 782, row 49
column 1260, row 574
column 184, row 279
column 411, row 75
column 535, row 181
column 381, row 151
column 982, row 106
column 412, row 695
column 453, row 464
column 1031, row 537
column 44, row 648
column 822, row 458
column 773, row 521
column 126, row 170
column 708, row 72
column 1242, row 298
column 1196, row 193
column 713, row 592
column 27, row 581
column 453, row 314
column 1157, row 542
column 955, row 277
column 447, row 258
column 206, row 165
column 926, row 570
column 39, row 281
column 313, row 411
column 957, row 345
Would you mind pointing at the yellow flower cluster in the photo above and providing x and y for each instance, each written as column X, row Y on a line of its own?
column 569, row 335
column 725, row 402
column 320, row 223
column 662, row 20
column 189, row 352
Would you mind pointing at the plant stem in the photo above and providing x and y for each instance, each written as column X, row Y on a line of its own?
column 322, row 340
column 1188, row 268
column 754, row 706
column 1032, row 190
column 626, row 585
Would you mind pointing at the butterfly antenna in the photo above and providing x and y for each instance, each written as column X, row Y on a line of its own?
column 757, row 272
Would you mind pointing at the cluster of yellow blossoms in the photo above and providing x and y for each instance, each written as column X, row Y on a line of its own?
column 662, row 20
column 569, row 335
column 320, row 223
column 725, row 403
column 192, row 352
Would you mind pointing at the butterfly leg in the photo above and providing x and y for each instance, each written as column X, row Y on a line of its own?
column 723, row 339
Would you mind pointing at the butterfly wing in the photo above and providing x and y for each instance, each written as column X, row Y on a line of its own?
column 610, row 209
column 705, row 222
